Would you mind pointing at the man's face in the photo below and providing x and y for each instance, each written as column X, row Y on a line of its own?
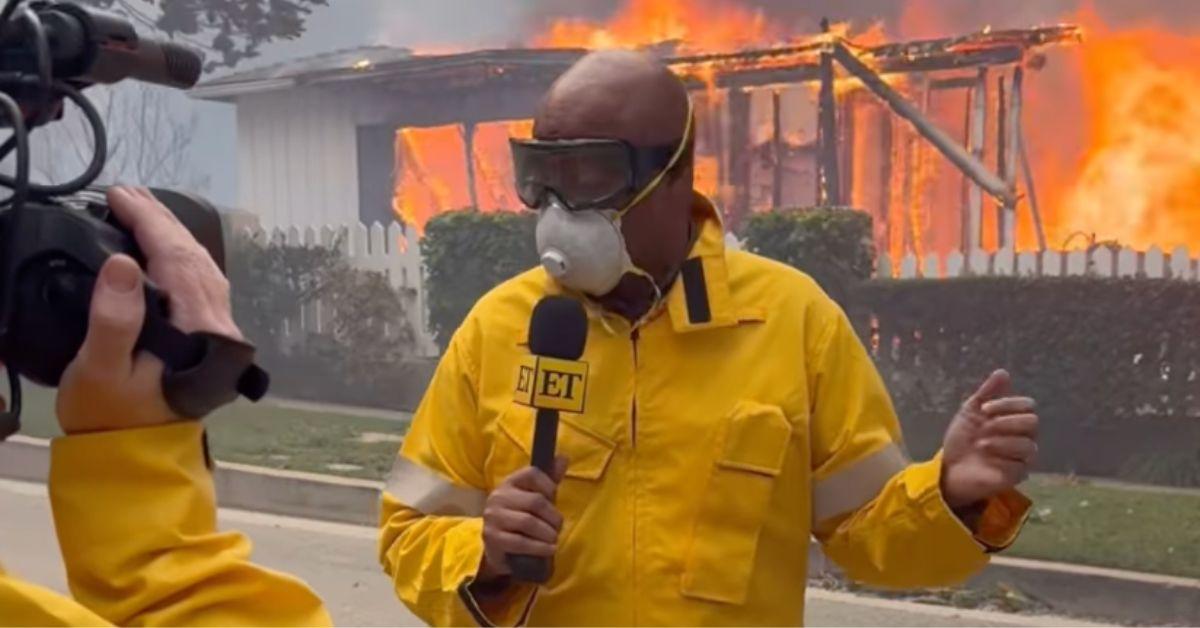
column 656, row 228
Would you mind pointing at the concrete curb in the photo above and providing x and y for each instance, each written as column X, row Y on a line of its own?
column 1111, row 594
column 1085, row 591
column 295, row 494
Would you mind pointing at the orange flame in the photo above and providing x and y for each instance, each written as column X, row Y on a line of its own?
column 1137, row 178
column 704, row 25
column 707, row 171
column 432, row 175
column 493, row 164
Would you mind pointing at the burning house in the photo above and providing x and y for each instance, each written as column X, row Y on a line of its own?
column 895, row 129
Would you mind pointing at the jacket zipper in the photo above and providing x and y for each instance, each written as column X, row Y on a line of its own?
column 633, row 414
column 633, row 336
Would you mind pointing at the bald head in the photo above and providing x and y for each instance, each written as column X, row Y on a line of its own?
column 615, row 95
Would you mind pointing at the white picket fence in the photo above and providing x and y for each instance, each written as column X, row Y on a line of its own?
column 388, row 250
column 1100, row 261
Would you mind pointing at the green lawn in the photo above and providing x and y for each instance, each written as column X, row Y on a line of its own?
column 1075, row 522
column 1072, row 522
column 271, row 436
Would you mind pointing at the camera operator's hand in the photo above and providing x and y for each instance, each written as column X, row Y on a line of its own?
column 107, row 387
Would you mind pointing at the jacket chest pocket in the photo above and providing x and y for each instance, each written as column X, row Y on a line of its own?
column 752, row 447
column 588, row 456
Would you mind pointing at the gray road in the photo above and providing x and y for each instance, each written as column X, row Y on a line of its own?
column 338, row 561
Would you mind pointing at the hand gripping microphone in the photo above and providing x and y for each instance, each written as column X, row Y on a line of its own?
column 552, row 380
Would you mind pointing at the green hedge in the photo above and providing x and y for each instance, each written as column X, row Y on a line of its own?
column 832, row 245
column 466, row 253
column 1113, row 364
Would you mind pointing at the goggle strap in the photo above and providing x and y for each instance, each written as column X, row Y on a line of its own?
column 657, row 180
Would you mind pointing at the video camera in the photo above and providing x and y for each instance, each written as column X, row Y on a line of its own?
column 55, row 237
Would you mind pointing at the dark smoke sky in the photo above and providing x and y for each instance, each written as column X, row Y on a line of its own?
column 450, row 24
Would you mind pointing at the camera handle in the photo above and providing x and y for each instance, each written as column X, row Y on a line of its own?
column 203, row 371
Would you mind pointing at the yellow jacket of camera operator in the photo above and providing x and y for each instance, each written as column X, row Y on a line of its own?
column 716, row 440
column 135, row 514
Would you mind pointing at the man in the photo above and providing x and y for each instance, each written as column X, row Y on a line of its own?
column 731, row 411
column 131, row 491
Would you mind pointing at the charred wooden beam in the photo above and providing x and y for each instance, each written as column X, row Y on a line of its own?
column 885, row 177
column 846, row 142
column 1013, row 126
column 777, row 120
column 1021, row 38
column 908, row 169
column 716, row 119
column 1027, row 171
column 739, row 155
column 829, row 185
column 808, row 69
column 468, row 133
column 1002, row 207
column 965, row 161
column 953, row 82
column 976, row 138
column 900, row 51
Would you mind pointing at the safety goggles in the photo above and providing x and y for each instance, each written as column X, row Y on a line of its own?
column 587, row 173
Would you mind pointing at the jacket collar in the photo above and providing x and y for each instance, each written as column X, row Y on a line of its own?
column 701, row 298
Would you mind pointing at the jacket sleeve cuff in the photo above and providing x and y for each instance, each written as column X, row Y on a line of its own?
column 924, row 482
column 999, row 523
column 131, row 461
column 1002, row 519
column 510, row 607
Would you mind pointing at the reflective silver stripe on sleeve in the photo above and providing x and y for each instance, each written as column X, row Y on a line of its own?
column 425, row 490
column 849, row 489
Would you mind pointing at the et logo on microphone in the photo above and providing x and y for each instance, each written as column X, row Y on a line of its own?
column 551, row 383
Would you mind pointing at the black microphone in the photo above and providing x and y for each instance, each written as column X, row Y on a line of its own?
column 91, row 46
column 552, row 380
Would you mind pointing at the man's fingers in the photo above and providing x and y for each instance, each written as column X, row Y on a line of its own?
column 532, row 503
column 512, row 543
column 1009, row 405
column 533, row 479
column 1012, row 448
column 996, row 385
column 118, row 308
column 1013, row 472
column 1012, row 425
column 526, row 524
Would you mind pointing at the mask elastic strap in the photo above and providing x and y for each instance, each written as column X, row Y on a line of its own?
column 654, row 183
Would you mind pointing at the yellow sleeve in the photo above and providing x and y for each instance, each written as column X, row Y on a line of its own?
column 136, row 516
column 882, row 519
column 23, row 604
column 431, row 525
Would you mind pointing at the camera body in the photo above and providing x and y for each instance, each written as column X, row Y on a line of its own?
column 54, row 238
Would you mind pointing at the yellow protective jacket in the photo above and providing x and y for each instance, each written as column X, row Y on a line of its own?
column 715, row 441
column 135, row 513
